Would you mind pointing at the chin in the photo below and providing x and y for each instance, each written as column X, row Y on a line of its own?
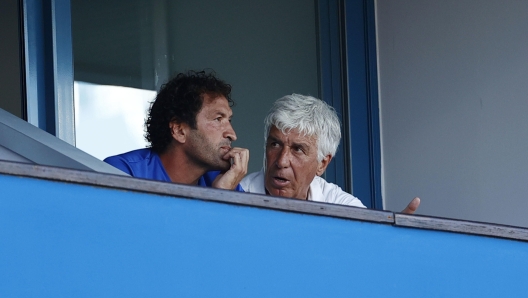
column 282, row 193
column 224, row 166
column 218, row 165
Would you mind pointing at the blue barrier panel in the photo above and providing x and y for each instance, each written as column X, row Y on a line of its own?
column 71, row 240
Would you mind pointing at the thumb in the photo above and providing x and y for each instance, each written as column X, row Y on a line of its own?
column 412, row 207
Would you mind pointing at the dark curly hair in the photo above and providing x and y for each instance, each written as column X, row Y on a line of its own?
column 181, row 100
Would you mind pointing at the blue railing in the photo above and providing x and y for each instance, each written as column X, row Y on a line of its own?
column 68, row 233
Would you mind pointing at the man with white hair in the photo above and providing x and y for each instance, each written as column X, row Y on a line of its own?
column 302, row 134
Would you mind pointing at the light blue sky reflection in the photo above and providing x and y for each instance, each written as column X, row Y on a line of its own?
column 110, row 119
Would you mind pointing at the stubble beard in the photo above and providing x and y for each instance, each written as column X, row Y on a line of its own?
column 206, row 154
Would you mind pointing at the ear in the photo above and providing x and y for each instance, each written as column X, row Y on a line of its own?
column 323, row 164
column 179, row 131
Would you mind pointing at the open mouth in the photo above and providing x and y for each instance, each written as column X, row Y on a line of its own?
column 280, row 181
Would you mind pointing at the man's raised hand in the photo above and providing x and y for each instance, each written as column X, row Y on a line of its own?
column 239, row 162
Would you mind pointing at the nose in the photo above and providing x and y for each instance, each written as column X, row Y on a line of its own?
column 230, row 132
column 283, row 160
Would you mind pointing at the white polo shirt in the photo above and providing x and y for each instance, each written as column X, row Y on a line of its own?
column 320, row 190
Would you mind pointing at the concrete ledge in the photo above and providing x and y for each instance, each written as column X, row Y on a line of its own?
column 461, row 226
column 194, row 192
column 261, row 201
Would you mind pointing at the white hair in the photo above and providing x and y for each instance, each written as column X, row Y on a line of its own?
column 310, row 116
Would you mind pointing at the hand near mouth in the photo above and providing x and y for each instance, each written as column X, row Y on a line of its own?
column 239, row 162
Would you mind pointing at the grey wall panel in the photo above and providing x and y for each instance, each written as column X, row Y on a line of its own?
column 37, row 146
column 453, row 97
column 6, row 154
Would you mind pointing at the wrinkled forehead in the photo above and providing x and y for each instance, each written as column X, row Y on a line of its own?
column 292, row 133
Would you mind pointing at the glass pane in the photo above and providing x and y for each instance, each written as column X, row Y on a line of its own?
column 11, row 99
column 264, row 49
column 109, row 119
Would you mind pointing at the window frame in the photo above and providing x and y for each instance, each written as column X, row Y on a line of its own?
column 48, row 67
column 348, row 82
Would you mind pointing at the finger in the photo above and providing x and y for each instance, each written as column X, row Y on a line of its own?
column 244, row 156
column 240, row 164
column 235, row 160
column 231, row 153
column 241, row 152
column 412, row 207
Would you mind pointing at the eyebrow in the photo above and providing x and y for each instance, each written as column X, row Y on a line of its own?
column 300, row 144
column 221, row 113
column 271, row 138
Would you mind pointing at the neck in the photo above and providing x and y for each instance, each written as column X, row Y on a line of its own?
column 179, row 168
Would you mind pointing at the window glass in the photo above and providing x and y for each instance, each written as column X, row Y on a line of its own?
column 109, row 119
column 10, row 100
column 264, row 49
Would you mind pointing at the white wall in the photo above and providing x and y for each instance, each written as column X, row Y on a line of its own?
column 453, row 78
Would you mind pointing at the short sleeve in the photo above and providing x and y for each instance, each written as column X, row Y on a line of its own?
column 119, row 163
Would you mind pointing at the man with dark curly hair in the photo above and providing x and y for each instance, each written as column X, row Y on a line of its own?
column 190, row 134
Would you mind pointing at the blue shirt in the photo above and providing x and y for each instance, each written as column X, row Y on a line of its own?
column 145, row 163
